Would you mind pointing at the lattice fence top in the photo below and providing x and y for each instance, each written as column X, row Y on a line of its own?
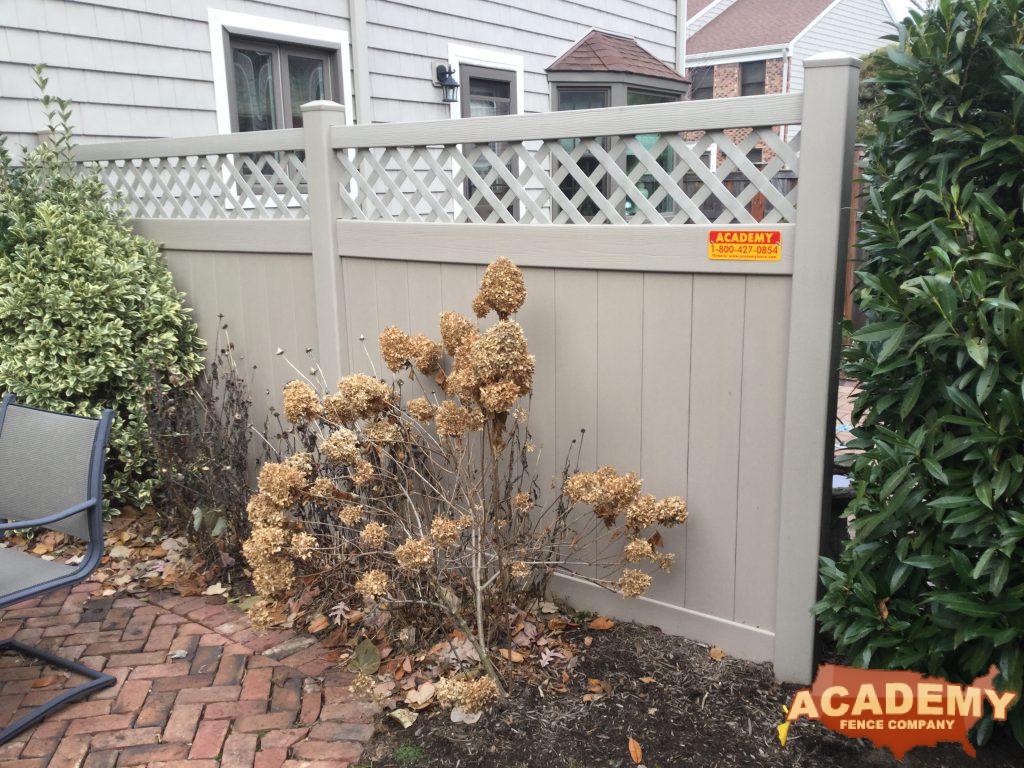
column 664, row 178
column 251, row 185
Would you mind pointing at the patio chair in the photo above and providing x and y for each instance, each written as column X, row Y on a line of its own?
column 51, row 476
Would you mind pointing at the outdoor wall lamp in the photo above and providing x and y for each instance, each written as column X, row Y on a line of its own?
column 449, row 85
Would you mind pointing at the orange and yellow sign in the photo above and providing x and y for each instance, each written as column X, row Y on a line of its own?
column 898, row 710
column 745, row 245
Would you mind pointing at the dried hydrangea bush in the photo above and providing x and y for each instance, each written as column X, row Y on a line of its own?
column 425, row 505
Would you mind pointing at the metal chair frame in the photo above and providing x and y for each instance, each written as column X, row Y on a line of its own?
column 94, row 551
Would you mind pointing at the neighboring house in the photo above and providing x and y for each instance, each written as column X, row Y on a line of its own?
column 155, row 68
column 752, row 47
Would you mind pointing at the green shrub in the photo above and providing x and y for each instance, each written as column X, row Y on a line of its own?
column 89, row 317
column 933, row 579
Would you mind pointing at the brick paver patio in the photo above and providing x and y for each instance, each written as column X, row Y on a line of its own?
column 196, row 686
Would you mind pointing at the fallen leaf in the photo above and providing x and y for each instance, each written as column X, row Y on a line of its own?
column 215, row 589
column 47, row 680
column 514, row 656
column 716, row 653
column 405, row 717
column 883, row 608
column 588, row 641
column 420, row 697
column 318, row 624
column 179, row 654
column 120, row 552
column 548, row 607
column 365, row 658
column 601, row 624
column 647, row 680
column 635, row 751
column 459, row 715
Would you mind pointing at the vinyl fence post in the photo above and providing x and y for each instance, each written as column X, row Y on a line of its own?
column 823, row 200
column 323, row 179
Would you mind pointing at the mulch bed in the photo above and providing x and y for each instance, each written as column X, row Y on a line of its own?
column 696, row 712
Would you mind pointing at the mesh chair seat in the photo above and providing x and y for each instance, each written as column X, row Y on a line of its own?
column 19, row 570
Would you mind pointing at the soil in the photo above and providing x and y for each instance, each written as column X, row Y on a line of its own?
column 696, row 712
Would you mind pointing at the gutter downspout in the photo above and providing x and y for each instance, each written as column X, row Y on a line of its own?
column 360, row 63
column 680, row 36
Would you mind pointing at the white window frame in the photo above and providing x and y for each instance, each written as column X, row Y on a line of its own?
column 266, row 28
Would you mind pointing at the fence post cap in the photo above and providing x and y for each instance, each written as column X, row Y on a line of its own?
column 831, row 59
column 322, row 106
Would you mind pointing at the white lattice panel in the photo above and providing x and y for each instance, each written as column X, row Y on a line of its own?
column 652, row 179
column 264, row 185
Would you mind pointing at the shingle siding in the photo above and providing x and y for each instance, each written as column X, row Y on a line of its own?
column 852, row 26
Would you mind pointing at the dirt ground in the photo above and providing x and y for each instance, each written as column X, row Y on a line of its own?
column 682, row 707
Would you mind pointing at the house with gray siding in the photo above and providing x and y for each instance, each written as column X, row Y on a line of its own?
column 170, row 68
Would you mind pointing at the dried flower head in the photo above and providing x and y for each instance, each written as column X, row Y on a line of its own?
column 363, row 472
column 262, row 614
column 455, row 328
column 638, row 550
column 426, row 354
column 421, row 409
column 337, row 410
column 448, row 690
column 480, row 306
column 501, row 353
column 414, row 554
column 671, row 511
column 642, row 512
column 274, row 578
column 455, row 420
column 303, row 462
column 374, row 535
column 446, row 531
column 383, row 432
column 605, row 490
column 365, row 396
column 395, row 348
column 372, row 584
column 351, row 514
column 478, row 694
column 324, row 489
column 502, row 288
column 303, row 545
column 340, row 447
column 499, row 397
column 521, row 570
column 363, row 685
column 634, row 583
column 301, row 403
column 665, row 561
column 522, row 503
column 462, row 382
column 263, row 511
column 281, row 484
column 264, row 544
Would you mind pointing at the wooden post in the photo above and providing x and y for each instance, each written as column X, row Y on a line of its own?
column 323, row 179
column 823, row 199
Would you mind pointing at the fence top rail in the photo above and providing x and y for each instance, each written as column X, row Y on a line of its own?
column 673, row 117
column 219, row 144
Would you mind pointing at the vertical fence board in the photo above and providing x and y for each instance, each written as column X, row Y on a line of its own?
column 715, row 392
column 538, row 321
column 667, row 307
column 765, row 334
column 361, row 312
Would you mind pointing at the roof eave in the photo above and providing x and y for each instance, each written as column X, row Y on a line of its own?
column 754, row 53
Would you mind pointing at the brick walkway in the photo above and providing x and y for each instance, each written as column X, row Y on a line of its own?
column 196, row 686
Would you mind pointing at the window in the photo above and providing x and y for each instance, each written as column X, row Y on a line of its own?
column 488, row 92
column 582, row 98
column 270, row 81
column 702, row 83
column 752, row 78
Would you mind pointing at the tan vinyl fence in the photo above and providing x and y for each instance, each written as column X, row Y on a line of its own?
column 713, row 378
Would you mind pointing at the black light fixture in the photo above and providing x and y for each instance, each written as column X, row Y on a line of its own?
column 449, row 85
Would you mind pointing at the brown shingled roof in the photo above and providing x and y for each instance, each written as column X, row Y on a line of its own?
column 751, row 23
column 604, row 52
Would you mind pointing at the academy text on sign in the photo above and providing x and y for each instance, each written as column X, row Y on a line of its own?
column 745, row 245
column 898, row 710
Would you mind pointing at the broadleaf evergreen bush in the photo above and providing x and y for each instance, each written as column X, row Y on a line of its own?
column 89, row 316
column 933, row 579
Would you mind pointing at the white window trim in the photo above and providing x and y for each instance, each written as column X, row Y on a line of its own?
column 271, row 29
column 459, row 54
